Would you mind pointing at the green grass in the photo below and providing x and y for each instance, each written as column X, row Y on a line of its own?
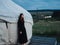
column 47, row 28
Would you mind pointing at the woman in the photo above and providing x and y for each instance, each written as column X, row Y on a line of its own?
column 22, row 37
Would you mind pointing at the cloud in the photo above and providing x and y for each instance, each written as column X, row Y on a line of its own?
column 39, row 4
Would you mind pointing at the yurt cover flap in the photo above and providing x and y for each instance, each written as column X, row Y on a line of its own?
column 10, row 11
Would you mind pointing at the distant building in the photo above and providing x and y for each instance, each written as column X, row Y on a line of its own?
column 47, row 17
column 41, row 14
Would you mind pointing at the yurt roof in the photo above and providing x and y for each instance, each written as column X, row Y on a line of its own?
column 10, row 11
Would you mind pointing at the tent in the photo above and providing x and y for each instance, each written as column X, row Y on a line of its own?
column 9, row 13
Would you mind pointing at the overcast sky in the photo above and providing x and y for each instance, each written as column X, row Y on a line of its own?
column 39, row 4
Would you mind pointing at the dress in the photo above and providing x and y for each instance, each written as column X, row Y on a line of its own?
column 22, row 38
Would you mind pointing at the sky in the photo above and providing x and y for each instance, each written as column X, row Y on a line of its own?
column 39, row 4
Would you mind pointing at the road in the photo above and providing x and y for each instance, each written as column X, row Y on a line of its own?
column 37, row 40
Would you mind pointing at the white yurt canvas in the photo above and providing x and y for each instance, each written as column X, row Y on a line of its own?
column 9, row 12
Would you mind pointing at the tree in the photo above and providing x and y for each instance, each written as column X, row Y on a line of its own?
column 56, row 15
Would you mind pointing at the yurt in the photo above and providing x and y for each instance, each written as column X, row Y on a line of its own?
column 9, row 13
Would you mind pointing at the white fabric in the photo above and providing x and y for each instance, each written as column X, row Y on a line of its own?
column 12, row 33
column 28, row 30
column 3, row 34
column 10, row 12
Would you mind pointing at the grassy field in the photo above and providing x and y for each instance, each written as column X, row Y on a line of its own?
column 47, row 28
